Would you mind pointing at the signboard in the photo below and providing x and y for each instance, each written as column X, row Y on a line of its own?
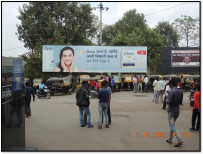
column 185, row 58
column 17, row 74
column 94, row 59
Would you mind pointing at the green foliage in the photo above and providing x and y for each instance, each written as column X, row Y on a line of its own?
column 168, row 33
column 56, row 23
column 188, row 29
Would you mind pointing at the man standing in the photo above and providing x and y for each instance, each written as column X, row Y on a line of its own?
column 161, row 87
column 41, row 87
column 113, row 84
column 82, row 100
column 146, row 83
column 135, row 83
column 29, row 92
column 139, row 84
column 175, row 98
column 103, row 97
column 155, row 85
column 196, row 111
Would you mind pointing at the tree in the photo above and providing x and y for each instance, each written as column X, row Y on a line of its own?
column 129, row 22
column 56, row 23
column 188, row 29
column 168, row 33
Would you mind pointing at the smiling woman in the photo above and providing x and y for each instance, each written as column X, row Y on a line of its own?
column 66, row 63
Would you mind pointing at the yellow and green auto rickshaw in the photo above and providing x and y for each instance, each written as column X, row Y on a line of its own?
column 127, row 82
column 117, row 80
column 60, row 85
column 79, row 80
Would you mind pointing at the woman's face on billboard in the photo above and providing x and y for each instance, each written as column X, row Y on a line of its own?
column 67, row 57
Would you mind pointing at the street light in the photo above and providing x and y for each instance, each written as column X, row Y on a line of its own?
column 100, row 6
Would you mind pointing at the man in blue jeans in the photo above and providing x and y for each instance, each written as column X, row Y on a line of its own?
column 175, row 98
column 103, row 97
column 83, row 102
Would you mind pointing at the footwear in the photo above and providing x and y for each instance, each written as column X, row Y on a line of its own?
column 192, row 129
column 179, row 143
column 163, row 108
column 100, row 127
column 170, row 142
column 90, row 126
column 109, row 123
column 196, row 130
column 107, row 126
column 82, row 125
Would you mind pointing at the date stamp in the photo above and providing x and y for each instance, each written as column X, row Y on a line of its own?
column 159, row 134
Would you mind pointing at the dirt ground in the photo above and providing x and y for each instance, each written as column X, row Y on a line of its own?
column 137, row 123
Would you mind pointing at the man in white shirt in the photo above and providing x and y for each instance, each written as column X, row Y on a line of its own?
column 135, row 83
column 146, row 83
column 155, row 85
column 161, row 87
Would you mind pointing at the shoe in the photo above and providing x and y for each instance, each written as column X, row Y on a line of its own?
column 170, row 142
column 192, row 129
column 179, row 143
column 163, row 108
column 196, row 130
column 109, row 123
column 100, row 127
column 107, row 126
column 82, row 126
column 90, row 126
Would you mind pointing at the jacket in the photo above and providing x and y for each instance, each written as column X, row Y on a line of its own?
column 82, row 98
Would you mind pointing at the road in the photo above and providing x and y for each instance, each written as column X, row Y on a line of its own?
column 54, row 125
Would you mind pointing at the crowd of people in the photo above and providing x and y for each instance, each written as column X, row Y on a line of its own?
column 166, row 92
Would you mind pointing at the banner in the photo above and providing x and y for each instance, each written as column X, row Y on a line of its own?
column 185, row 58
column 58, row 58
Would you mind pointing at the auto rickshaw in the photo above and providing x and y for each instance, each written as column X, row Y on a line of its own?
column 102, row 77
column 151, row 79
column 117, row 80
column 79, row 80
column 189, row 81
column 60, row 85
column 36, row 83
column 127, row 82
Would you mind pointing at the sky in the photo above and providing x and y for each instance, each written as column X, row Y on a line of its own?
column 166, row 11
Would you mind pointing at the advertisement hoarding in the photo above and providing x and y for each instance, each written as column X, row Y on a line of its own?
column 185, row 58
column 60, row 58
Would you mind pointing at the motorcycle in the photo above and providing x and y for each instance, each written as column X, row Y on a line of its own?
column 191, row 98
column 45, row 93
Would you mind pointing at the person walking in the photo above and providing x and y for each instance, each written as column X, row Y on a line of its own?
column 146, row 84
column 103, row 97
column 155, row 85
column 83, row 102
column 175, row 98
column 167, row 90
column 28, row 92
column 196, row 111
column 135, row 83
column 161, row 87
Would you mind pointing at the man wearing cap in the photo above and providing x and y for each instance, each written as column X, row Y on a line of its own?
column 82, row 100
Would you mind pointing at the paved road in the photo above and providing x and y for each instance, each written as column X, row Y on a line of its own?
column 54, row 125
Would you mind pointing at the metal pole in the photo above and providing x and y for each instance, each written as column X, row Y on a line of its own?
column 101, row 7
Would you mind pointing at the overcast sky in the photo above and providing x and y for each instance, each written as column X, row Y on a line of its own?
column 167, row 11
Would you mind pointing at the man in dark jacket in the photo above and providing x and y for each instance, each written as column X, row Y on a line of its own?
column 175, row 98
column 82, row 100
column 29, row 92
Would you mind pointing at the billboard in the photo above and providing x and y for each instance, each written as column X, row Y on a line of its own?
column 185, row 58
column 60, row 58
column 180, row 60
